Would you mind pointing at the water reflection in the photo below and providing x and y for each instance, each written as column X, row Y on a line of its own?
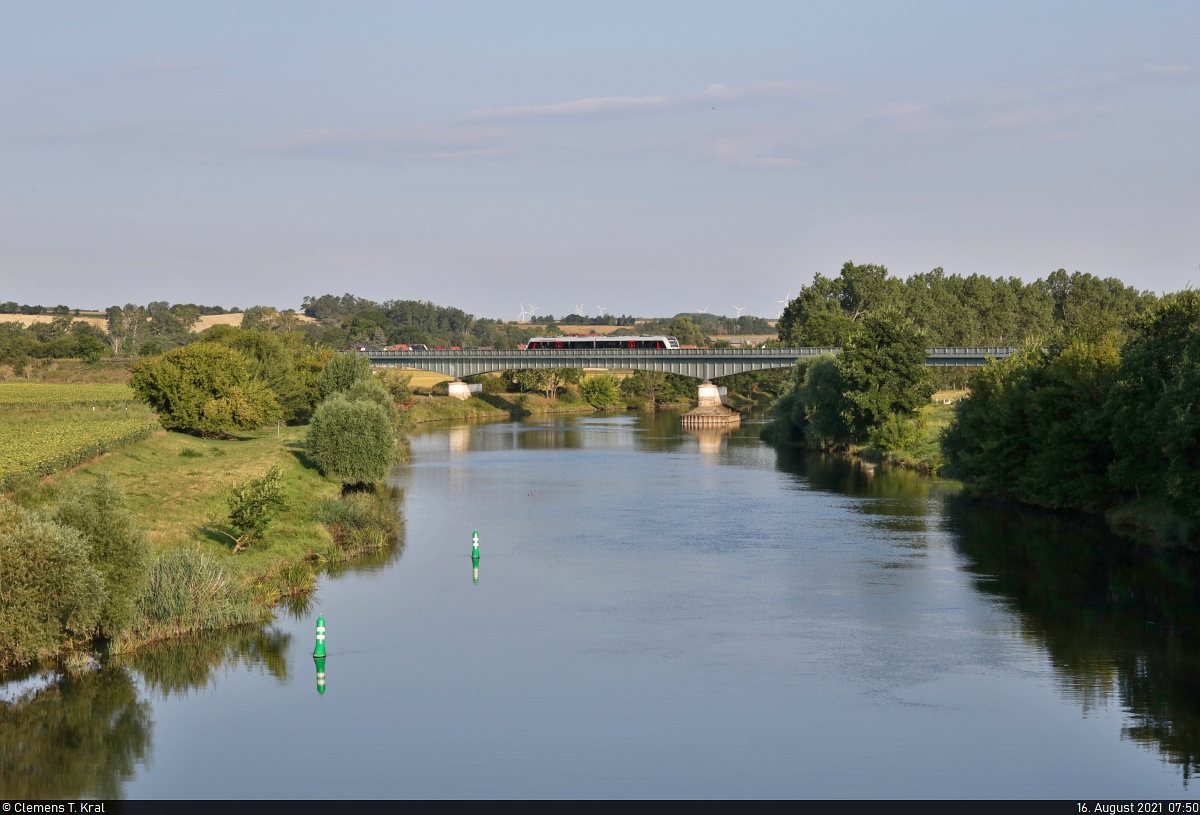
column 83, row 735
column 80, row 736
column 1119, row 621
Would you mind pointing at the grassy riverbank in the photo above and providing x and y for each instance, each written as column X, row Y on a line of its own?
column 489, row 406
column 176, row 487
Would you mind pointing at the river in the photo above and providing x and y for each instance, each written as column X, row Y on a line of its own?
column 661, row 613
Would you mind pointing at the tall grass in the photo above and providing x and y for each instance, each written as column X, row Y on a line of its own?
column 189, row 591
column 360, row 521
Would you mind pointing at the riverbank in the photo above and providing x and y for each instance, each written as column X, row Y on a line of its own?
column 176, row 486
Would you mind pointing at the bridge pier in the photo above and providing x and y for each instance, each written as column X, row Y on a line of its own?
column 459, row 389
column 708, row 395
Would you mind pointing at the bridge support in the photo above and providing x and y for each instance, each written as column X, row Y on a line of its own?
column 459, row 389
column 710, row 412
column 708, row 395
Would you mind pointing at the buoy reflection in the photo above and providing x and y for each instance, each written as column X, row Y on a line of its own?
column 320, row 661
column 475, row 573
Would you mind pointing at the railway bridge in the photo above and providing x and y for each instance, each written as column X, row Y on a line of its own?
column 704, row 364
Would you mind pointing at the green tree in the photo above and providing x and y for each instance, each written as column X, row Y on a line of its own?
column 204, row 388
column 351, row 440
column 117, row 549
column 342, row 371
column 548, row 380
column 687, row 332
column 90, row 348
column 883, row 366
column 601, row 391
column 282, row 361
column 1036, row 427
column 1155, row 422
column 253, row 504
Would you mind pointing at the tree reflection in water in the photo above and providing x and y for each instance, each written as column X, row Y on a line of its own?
column 1118, row 620
column 84, row 735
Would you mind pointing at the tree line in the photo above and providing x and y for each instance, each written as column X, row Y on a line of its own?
column 1099, row 411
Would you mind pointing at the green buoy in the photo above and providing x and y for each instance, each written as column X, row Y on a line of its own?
column 319, row 651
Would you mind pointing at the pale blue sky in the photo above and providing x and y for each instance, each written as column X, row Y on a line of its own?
column 651, row 160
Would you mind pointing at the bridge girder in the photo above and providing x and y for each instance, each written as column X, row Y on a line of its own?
column 698, row 363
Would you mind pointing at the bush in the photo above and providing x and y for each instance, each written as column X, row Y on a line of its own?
column 342, row 371
column 601, row 391
column 50, row 590
column 254, row 504
column 897, row 433
column 396, row 384
column 352, row 440
column 204, row 388
column 118, row 550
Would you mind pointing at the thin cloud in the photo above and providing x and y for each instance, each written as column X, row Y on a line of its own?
column 619, row 104
column 421, row 142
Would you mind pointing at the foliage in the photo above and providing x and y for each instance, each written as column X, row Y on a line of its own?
column 548, row 380
column 117, row 549
column 42, row 448
column 398, row 384
column 687, row 332
column 956, row 310
column 50, row 589
column 253, row 504
column 283, row 361
column 1156, row 406
column 1036, row 427
column 883, row 366
column 658, row 388
column 342, row 371
column 601, row 391
column 204, row 388
column 896, row 433
column 815, row 412
column 351, row 440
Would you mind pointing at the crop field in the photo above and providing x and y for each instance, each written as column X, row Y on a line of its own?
column 39, row 449
column 34, row 394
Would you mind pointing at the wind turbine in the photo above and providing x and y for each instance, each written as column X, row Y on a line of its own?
column 523, row 314
column 579, row 310
column 787, row 299
column 703, row 310
column 602, row 309
column 532, row 310
column 739, row 310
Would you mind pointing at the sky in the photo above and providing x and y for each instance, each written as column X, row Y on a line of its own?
column 647, row 158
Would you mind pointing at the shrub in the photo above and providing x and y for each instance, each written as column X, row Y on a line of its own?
column 342, row 371
column 396, row 384
column 50, row 589
column 253, row 504
column 119, row 551
column 601, row 391
column 204, row 388
column 351, row 440
column 897, row 433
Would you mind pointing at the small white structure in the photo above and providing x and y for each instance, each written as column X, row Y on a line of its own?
column 462, row 390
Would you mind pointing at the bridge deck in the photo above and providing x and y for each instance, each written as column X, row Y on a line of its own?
column 701, row 363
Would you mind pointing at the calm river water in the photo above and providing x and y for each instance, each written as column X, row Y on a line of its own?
column 660, row 613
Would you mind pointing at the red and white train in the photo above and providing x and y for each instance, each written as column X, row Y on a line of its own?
column 596, row 341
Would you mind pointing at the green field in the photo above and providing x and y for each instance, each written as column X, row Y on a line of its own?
column 36, row 394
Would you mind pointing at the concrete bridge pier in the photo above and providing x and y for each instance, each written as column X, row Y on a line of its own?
column 459, row 389
column 708, row 395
